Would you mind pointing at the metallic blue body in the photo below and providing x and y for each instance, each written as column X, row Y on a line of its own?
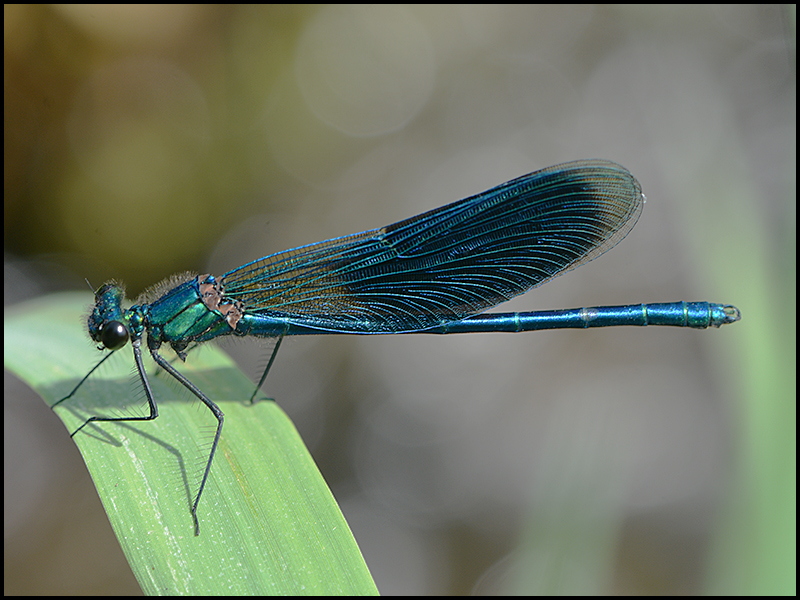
column 434, row 273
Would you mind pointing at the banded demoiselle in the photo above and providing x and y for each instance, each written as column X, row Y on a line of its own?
column 434, row 273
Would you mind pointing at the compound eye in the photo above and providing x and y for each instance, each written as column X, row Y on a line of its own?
column 114, row 336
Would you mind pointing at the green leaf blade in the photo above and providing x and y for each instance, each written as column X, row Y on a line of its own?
column 268, row 522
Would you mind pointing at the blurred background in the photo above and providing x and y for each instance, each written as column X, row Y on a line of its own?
column 141, row 141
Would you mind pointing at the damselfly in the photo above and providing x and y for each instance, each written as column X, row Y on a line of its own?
column 434, row 273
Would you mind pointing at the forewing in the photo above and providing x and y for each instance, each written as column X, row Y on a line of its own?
column 451, row 262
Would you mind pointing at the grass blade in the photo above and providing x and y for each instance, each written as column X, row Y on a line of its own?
column 268, row 522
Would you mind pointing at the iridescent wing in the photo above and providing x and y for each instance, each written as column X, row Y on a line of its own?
column 451, row 262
